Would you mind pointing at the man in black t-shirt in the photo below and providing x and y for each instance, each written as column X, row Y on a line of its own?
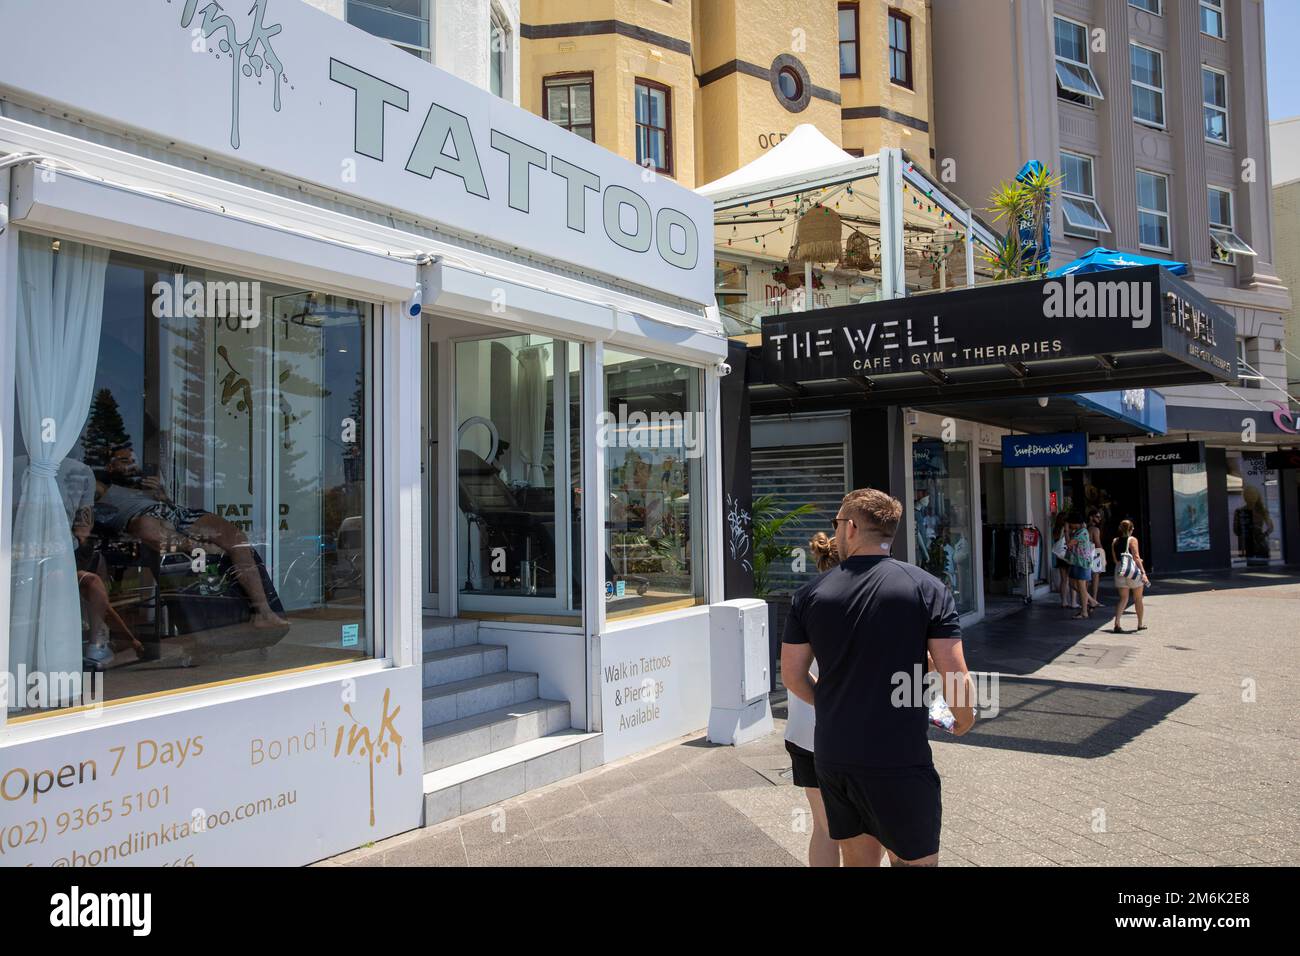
column 869, row 623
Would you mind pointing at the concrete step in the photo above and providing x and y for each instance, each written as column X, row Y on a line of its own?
column 476, row 695
column 483, row 781
column 469, row 737
column 441, row 633
column 462, row 663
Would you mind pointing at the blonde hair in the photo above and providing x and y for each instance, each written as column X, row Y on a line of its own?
column 824, row 550
column 874, row 508
column 1126, row 527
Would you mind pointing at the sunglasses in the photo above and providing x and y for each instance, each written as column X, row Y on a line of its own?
column 835, row 523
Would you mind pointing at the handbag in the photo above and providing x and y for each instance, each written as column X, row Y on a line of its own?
column 1058, row 548
column 1098, row 561
column 1128, row 569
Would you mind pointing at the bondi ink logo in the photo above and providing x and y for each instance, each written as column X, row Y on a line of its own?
column 248, row 57
column 1066, row 299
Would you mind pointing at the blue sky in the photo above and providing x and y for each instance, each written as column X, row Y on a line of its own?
column 1282, row 30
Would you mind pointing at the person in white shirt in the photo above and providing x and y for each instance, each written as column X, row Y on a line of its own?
column 801, row 719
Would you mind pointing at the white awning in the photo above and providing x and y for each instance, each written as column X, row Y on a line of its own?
column 805, row 159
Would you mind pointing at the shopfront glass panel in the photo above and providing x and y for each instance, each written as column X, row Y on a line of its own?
column 518, row 453
column 652, row 432
column 1191, row 508
column 1254, row 510
column 191, row 476
column 942, row 515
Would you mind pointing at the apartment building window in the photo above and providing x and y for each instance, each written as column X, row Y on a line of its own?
column 1225, row 244
column 499, row 55
column 1150, row 6
column 1153, row 210
column 404, row 23
column 900, row 48
column 653, row 126
column 1146, row 68
column 1212, row 18
column 1074, row 77
column 566, row 101
column 1247, row 376
column 1214, row 94
column 850, row 60
column 1083, row 217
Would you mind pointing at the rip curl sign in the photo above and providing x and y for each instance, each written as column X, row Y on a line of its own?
column 1284, row 418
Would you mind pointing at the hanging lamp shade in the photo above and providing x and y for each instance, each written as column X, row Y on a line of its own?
column 857, row 252
column 951, row 250
column 817, row 236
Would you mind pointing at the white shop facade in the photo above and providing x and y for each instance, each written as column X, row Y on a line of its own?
column 359, row 441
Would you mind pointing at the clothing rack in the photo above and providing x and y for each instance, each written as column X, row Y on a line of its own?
column 1007, row 558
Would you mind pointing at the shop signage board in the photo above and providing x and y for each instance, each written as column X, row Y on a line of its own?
column 1143, row 408
column 273, row 779
column 1130, row 327
column 282, row 86
column 1285, row 458
column 654, row 682
column 1035, row 451
column 1111, row 454
column 1172, row 453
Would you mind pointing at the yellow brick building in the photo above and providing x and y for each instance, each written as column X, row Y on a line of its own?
column 697, row 88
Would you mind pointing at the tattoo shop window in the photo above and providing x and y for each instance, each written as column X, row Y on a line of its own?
column 191, row 477
column 653, row 435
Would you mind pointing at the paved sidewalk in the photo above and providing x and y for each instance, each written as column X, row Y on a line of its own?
column 1176, row 745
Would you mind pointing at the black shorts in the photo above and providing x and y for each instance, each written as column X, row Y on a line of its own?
column 805, row 772
column 1063, row 564
column 902, row 808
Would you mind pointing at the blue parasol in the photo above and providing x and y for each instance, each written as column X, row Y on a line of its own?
column 1103, row 260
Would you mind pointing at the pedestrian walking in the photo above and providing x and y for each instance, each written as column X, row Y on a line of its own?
column 868, row 623
column 1060, row 560
column 1130, row 574
column 1080, row 558
column 1098, row 557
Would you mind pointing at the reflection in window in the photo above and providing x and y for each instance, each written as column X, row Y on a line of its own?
column 653, row 139
column 566, row 102
column 1075, row 80
column 190, row 473
column 518, row 408
column 848, row 25
column 1146, row 68
column 900, row 48
column 1254, row 510
column 404, row 23
column 1214, row 98
column 942, row 515
column 653, row 436
column 1153, row 210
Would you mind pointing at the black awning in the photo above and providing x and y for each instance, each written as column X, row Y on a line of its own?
column 1128, row 328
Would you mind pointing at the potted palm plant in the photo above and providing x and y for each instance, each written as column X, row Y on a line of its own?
column 769, row 521
column 1024, row 206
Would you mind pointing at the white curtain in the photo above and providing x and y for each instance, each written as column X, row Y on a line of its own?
column 529, row 417
column 60, row 307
